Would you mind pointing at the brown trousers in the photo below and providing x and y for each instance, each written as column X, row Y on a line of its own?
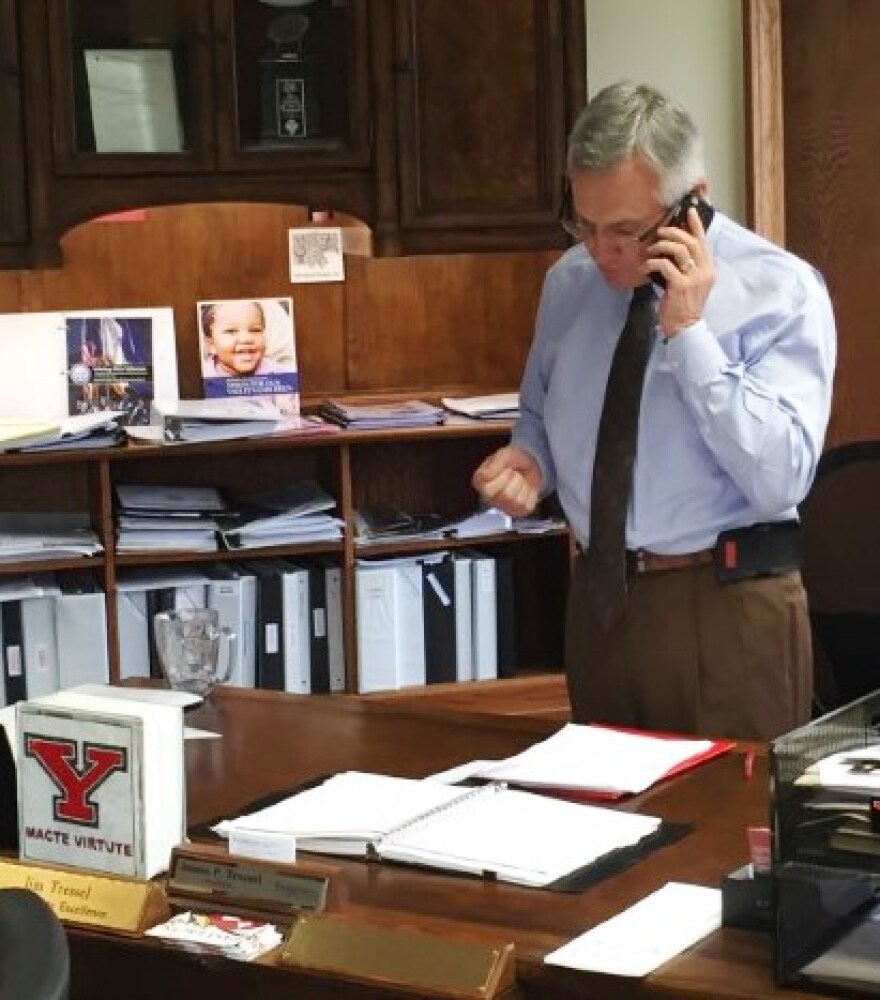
column 692, row 655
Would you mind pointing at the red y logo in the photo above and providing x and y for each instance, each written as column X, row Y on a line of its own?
column 58, row 758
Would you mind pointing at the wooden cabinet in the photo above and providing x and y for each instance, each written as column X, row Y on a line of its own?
column 424, row 469
column 485, row 94
column 169, row 103
column 13, row 214
column 439, row 123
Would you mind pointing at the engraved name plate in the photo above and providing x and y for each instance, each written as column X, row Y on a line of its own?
column 206, row 877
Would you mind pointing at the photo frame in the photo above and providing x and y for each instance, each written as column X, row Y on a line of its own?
column 134, row 97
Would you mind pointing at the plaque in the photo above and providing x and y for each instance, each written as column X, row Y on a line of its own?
column 108, row 903
column 361, row 952
column 289, row 83
column 209, row 878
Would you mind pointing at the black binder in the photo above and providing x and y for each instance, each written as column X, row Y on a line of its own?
column 319, row 659
column 13, row 652
column 8, row 796
column 158, row 599
column 505, row 616
column 438, row 604
column 270, row 624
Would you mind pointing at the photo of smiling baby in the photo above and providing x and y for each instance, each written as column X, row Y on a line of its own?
column 248, row 349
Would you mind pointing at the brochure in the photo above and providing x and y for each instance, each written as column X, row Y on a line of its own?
column 248, row 348
column 69, row 364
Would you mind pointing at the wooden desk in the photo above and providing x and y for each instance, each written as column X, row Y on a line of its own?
column 271, row 742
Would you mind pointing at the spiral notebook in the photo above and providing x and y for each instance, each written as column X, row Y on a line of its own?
column 491, row 830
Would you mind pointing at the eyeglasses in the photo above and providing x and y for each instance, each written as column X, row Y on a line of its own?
column 620, row 235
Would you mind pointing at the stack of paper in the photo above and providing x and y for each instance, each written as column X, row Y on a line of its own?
column 408, row 413
column 16, row 433
column 642, row 938
column 490, row 521
column 167, row 518
column 86, row 430
column 497, row 406
column 201, row 420
column 219, row 934
column 291, row 515
column 595, row 761
column 376, row 523
column 36, row 535
column 383, row 522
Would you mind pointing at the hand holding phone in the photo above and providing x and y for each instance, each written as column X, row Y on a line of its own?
column 679, row 220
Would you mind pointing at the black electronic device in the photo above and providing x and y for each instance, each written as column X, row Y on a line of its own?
column 679, row 220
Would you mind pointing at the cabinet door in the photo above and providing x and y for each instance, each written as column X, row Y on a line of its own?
column 13, row 214
column 482, row 120
column 131, row 84
column 292, row 85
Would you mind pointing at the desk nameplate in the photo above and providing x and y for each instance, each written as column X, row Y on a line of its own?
column 333, row 945
column 107, row 902
column 208, row 878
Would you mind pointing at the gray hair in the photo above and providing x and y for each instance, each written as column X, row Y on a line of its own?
column 626, row 118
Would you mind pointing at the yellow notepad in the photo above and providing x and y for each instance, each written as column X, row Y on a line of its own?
column 16, row 433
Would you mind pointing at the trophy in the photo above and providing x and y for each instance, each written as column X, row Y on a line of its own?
column 188, row 643
column 289, row 80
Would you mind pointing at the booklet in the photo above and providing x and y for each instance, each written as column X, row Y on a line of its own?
column 248, row 348
column 515, row 836
column 100, row 361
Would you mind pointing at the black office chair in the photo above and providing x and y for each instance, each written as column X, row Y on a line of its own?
column 840, row 519
column 34, row 957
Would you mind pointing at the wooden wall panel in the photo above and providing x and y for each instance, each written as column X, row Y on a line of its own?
column 831, row 83
column 444, row 320
column 397, row 325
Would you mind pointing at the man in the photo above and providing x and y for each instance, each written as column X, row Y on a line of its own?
column 710, row 634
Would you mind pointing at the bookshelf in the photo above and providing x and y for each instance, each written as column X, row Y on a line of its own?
column 418, row 469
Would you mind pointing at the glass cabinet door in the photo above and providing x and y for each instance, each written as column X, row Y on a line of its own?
column 294, row 75
column 133, row 81
column 206, row 85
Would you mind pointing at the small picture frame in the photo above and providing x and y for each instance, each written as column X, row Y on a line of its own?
column 134, row 100
column 316, row 254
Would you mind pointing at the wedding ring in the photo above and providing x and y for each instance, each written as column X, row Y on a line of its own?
column 688, row 264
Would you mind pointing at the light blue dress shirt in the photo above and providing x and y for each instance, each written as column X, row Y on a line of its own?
column 734, row 408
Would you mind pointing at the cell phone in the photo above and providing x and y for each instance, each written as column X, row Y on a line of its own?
column 679, row 219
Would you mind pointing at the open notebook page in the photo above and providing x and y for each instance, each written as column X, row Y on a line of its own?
column 518, row 836
column 348, row 811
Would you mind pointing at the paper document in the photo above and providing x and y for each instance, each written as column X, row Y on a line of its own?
column 642, row 938
column 600, row 760
column 858, row 768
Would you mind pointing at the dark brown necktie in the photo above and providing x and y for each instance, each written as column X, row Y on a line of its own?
column 613, row 465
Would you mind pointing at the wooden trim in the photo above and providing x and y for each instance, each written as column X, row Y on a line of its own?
column 765, row 173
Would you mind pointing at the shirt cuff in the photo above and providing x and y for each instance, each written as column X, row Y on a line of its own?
column 694, row 357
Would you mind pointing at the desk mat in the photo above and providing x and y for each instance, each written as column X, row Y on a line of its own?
column 577, row 881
